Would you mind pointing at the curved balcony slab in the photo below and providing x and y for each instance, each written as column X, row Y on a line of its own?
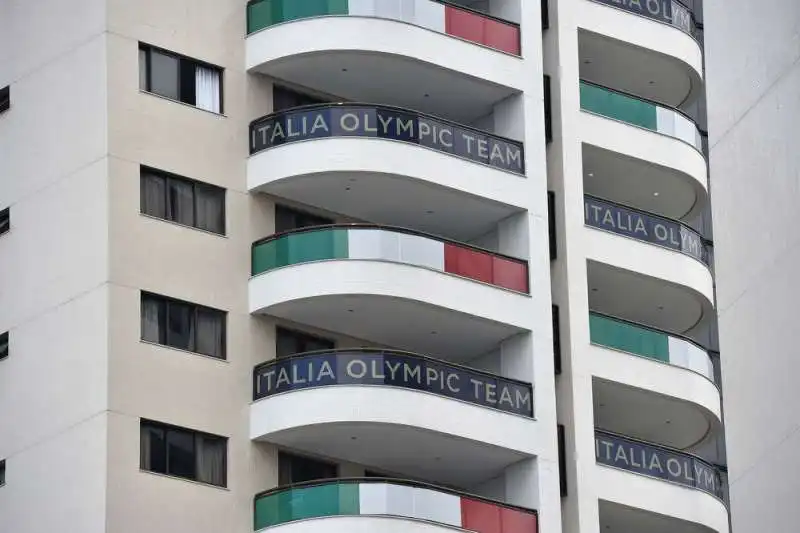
column 390, row 428
column 390, row 166
column 616, row 517
column 364, row 280
column 353, row 505
column 642, row 184
column 647, row 489
column 664, row 288
column 344, row 55
column 640, row 54
column 683, row 415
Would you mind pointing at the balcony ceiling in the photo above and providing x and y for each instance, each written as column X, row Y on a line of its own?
column 391, row 80
column 616, row 518
column 640, row 184
column 643, row 299
column 650, row 416
column 639, row 71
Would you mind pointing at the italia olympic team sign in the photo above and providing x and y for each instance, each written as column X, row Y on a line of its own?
column 345, row 120
column 666, row 11
column 653, row 461
column 392, row 369
column 644, row 227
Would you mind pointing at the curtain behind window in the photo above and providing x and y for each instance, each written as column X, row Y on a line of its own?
column 210, row 208
column 210, row 333
column 153, row 197
column 180, row 206
column 211, row 466
column 207, row 89
column 152, row 320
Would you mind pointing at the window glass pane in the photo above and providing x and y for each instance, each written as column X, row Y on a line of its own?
column 283, row 98
column 180, row 453
column 211, row 461
column 298, row 469
column 4, row 345
column 142, row 69
column 180, row 325
column 314, row 343
column 288, row 219
column 3, row 472
column 180, row 202
column 210, row 208
column 164, row 74
column 153, row 319
column 153, row 449
column 210, row 332
column 285, row 343
column 153, row 196
column 207, row 89
column 5, row 220
column 188, row 81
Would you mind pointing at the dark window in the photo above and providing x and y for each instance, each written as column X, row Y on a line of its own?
column 297, row 469
column 545, row 14
column 288, row 219
column 183, row 453
column 562, row 460
column 183, row 325
column 283, row 98
column 4, row 345
column 551, row 224
column 372, row 473
column 548, row 110
column 5, row 220
column 181, row 200
column 5, row 98
column 2, row 472
column 556, row 340
column 290, row 342
column 180, row 78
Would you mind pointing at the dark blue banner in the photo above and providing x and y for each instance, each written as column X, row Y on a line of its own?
column 644, row 227
column 386, row 123
column 393, row 370
column 653, row 461
column 666, row 11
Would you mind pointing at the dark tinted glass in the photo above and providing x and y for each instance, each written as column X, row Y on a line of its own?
column 153, row 453
column 210, row 208
column 4, row 345
column 180, row 453
column 180, row 202
column 288, row 219
column 290, row 342
column 5, row 220
column 283, row 98
column 296, row 469
column 164, row 74
column 153, row 195
column 5, row 98
column 180, row 319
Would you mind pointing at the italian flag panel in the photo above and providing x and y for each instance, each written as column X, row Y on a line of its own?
column 391, row 246
column 390, row 499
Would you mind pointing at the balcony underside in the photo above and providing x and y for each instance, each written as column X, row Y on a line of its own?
column 626, row 490
column 643, row 283
column 642, row 184
column 390, row 182
column 377, row 60
column 396, row 305
column 639, row 56
column 651, row 416
column 620, row 518
column 394, row 430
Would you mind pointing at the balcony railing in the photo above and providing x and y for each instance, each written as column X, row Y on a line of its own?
column 639, row 112
column 389, row 244
column 670, row 12
column 390, row 368
column 657, row 461
column 644, row 341
column 390, row 497
column 644, row 226
column 385, row 122
column 440, row 16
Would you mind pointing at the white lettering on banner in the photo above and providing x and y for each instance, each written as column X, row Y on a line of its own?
column 319, row 123
column 351, row 364
column 409, row 372
column 672, row 461
column 353, row 125
column 451, row 387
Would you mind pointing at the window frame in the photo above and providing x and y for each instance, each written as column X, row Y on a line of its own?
column 163, row 323
column 169, row 176
column 195, row 434
column 148, row 48
column 303, row 337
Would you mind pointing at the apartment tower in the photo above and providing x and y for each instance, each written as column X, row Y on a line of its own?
column 348, row 265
